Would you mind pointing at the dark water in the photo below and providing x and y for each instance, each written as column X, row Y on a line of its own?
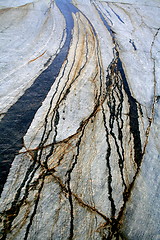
column 120, row 19
column 133, row 116
column 105, row 22
column 19, row 117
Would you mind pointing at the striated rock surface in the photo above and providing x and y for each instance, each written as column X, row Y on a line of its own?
column 80, row 96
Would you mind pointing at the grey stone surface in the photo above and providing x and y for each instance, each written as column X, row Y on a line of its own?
column 88, row 164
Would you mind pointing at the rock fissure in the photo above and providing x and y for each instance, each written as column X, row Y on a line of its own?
column 115, row 82
column 151, row 119
column 34, row 209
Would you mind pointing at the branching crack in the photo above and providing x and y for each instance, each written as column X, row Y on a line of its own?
column 116, row 87
column 154, row 92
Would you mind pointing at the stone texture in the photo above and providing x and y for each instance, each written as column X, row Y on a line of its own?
column 88, row 166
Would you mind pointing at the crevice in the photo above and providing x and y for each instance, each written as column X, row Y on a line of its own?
column 68, row 182
column 119, row 18
column 64, row 189
column 133, row 44
column 60, row 99
column 56, row 121
column 10, row 214
column 116, row 84
column 92, row 209
column 70, row 202
column 113, row 207
column 35, row 209
column 151, row 119
column 133, row 116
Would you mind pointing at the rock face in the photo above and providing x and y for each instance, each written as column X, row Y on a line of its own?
column 80, row 96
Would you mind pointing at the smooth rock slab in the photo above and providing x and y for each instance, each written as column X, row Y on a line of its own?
column 89, row 166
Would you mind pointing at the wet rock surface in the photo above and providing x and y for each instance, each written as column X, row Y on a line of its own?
column 79, row 144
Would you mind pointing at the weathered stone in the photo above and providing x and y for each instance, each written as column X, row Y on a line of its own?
column 86, row 75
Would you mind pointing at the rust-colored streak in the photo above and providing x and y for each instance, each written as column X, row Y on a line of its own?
column 37, row 57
